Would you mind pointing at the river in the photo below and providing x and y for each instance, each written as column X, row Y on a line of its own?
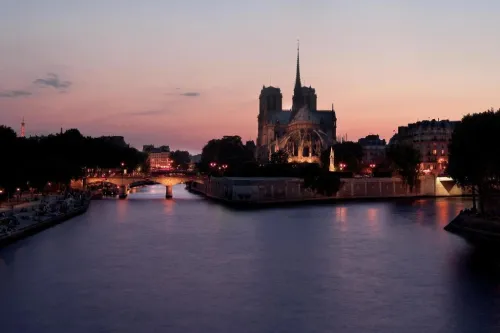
column 147, row 264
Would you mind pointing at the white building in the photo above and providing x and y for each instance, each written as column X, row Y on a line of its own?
column 431, row 138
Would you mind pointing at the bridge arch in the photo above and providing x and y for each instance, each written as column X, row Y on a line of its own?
column 124, row 182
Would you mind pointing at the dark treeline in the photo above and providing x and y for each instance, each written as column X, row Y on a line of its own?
column 475, row 157
column 34, row 162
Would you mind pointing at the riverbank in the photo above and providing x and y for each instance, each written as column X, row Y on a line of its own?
column 36, row 224
column 309, row 199
column 480, row 231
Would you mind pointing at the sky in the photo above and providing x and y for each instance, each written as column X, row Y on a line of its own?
column 181, row 72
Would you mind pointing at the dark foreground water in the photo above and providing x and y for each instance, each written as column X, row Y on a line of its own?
column 189, row 265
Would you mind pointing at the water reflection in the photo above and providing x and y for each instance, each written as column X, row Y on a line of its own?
column 443, row 212
column 373, row 220
column 341, row 217
column 475, row 281
column 188, row 265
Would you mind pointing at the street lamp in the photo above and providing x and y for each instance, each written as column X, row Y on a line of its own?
column 224, row 167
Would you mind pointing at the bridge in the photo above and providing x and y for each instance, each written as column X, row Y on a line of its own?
column 124, row 182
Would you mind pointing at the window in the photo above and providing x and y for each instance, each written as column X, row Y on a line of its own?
column 434, row 152
column 442, row 151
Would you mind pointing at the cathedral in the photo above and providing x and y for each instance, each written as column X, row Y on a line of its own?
column 303, row 132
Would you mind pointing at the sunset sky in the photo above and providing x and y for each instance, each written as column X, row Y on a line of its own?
column 180, row 72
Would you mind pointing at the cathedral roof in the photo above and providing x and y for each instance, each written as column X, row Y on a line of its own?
column 303, row 114
column 284, row 116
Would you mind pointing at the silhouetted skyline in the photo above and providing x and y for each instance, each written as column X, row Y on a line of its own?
column 181, row 73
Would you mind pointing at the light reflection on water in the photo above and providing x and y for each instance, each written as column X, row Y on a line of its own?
column 148, row 264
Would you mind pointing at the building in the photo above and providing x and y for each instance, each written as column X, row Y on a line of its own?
column 149, row 148
column 158, row 158
column 373, row 149
column 431, row 138
column 303, row 132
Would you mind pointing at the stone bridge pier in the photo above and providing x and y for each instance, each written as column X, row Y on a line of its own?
column 168, row 192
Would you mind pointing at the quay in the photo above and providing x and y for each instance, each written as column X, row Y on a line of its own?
column 41, row 223
column 479, row 230
column 256, row 191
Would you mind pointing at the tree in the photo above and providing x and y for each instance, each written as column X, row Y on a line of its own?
column 475, row 154
column 279, row 157
column 347, row 152
column 405, row 160
column 181, row 159
column 35, row 161
column 229, row 151
column 321, row 180
column 7, row 134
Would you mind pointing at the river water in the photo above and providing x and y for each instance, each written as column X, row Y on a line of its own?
column 146, row 264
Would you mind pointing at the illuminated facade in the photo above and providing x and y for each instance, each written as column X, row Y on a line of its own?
column 303, row 132
column 431, row 138
column 158, row 158
column 160, row 161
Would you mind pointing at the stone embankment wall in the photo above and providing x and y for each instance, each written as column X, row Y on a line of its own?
column 261, row 190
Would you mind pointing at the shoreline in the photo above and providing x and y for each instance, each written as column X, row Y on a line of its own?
column 42, row 225
column 310, row 201
column 478, row 231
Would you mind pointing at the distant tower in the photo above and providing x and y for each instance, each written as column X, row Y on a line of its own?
column 23, row 132
column 332, row 160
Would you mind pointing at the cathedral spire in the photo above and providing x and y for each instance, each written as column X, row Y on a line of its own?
column 298, row 84
column 298, row 99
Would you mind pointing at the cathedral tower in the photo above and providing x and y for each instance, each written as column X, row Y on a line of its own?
column 270, row 100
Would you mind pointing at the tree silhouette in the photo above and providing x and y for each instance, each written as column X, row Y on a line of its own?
column 405, row 161
column 475, row 154
column 35, row 161
column 229, row 150
column 279, row 157
column 181, row 159
column 347, row 152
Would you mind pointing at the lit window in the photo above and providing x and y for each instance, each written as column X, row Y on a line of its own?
column 434, row 152
column 442, row 152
